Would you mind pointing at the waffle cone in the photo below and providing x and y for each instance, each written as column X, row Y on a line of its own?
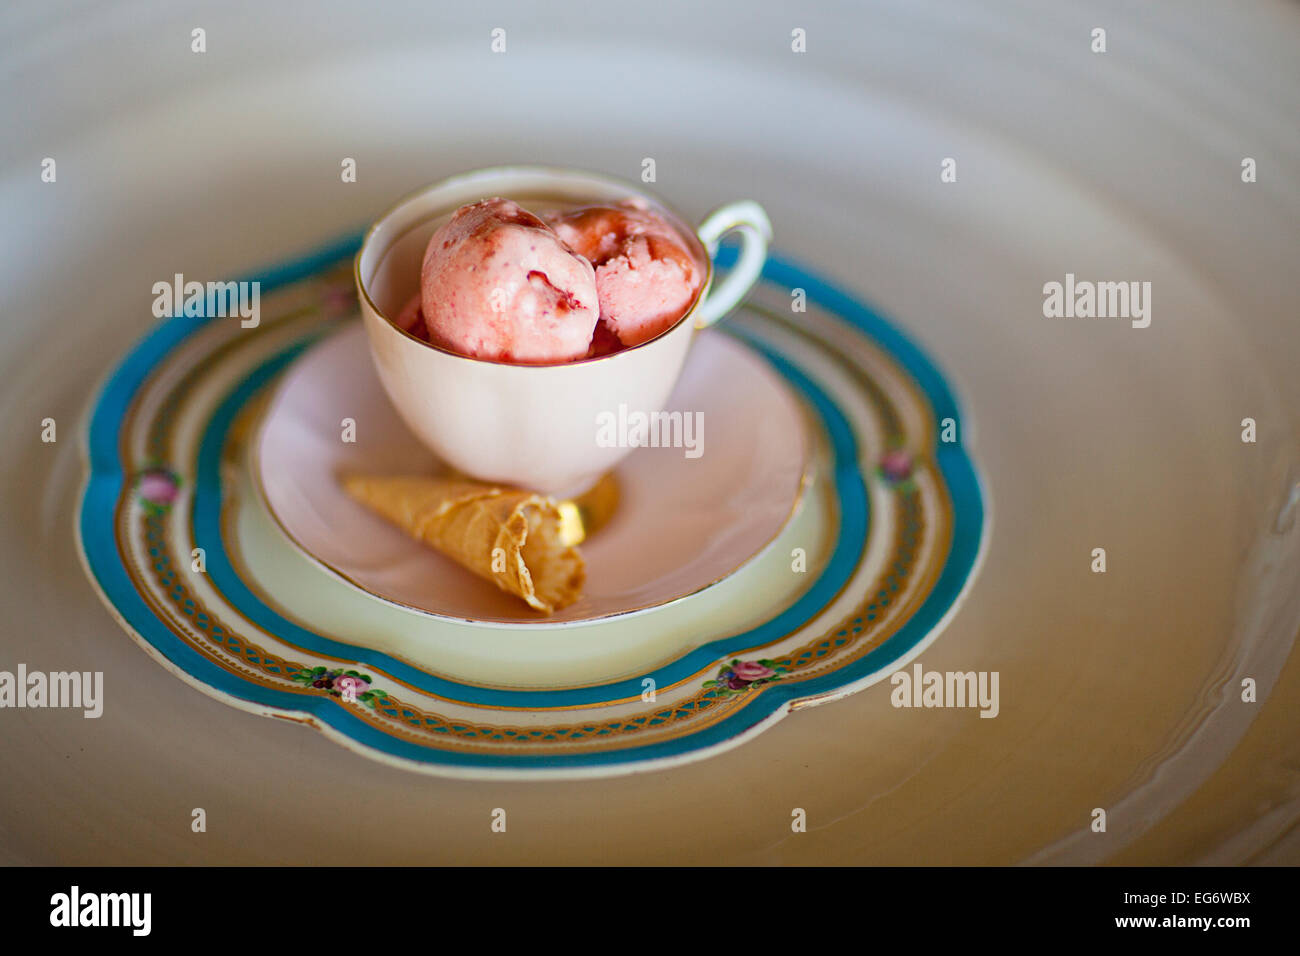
column 511, row 537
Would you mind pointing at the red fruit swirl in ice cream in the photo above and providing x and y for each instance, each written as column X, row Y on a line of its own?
column 647, row 274
column 497, row 283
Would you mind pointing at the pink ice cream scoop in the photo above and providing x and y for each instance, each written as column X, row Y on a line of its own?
column 497, row 283
column 646, row 272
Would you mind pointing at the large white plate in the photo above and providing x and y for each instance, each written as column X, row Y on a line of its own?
column 1119, row 690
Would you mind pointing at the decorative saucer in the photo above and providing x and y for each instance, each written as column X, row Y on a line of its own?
column 686, row 518
column 826, row 600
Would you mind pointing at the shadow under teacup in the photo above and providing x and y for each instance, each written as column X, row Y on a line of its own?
column 535, row 426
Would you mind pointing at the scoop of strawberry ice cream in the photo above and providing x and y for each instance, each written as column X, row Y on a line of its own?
column 647, row 274
column 497, row 283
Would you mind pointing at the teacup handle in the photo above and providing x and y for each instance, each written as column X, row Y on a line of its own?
column 748, row 218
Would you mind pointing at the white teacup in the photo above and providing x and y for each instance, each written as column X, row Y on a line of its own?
column 531, row 425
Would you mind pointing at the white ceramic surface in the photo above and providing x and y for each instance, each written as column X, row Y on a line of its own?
column 1124, row 165
column 684, row 521
column 528, row 425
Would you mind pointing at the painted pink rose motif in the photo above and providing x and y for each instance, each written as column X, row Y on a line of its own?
column 350, row 686
column 739, row 676
column 342, row 684
column 157, row 488
column 752, row 671
column 339, row 299
column 896, row 466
